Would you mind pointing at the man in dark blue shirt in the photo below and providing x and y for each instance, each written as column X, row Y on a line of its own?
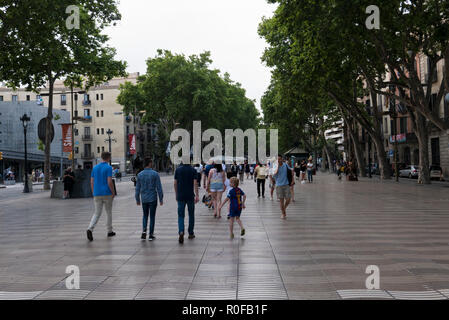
column 186, row 190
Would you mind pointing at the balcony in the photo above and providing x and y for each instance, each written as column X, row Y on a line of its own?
column 87, row 137
column 87, row 155
column 86, row 102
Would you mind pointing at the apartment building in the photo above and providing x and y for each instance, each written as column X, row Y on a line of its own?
column 94, row 113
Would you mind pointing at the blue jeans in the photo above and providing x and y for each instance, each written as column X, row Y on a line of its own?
column 182, row 213
column 149, row 208
column 310, row 175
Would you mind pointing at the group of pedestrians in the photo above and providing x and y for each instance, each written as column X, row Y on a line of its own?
column 216, row 181
column 149, row 192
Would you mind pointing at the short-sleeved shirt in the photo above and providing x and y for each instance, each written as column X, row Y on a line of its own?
column 235, row 196
column 101, row 172
column 185, row 176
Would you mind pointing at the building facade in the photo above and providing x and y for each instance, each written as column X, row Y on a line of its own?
column 12, row 143
column 94, row 113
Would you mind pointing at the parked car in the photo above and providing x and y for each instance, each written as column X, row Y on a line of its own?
column 436, row 172
column 409, row 172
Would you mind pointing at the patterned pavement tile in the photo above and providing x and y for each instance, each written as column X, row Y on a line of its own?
column 333, row 231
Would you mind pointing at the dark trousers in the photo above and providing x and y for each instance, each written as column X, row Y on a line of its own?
column 261, row 182
column 182, row 213
column 149, row 208
column 310, row 175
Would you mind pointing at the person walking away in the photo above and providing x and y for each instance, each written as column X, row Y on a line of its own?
column 338, row 167
column 251, row 171
column 228, row 187
column 282, row 185
column 215, row 185
column 69, row 181
column 234, row 169
column 272, row 185
column 237, row 199
column 297, row 170
column 247, row 169
column 103, row 192
column 199, row 169
column 206, row 172
column 186, row 191
column 310, row 170
column 303, row 171
column 241, row 172
column 261, row 175
column 291, row 182
column 148, row 189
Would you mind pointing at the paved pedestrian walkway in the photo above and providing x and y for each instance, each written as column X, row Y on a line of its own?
column 333, row 231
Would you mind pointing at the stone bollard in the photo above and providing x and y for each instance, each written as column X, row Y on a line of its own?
column 57, row 190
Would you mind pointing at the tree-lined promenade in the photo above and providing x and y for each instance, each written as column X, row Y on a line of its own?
column 327, row 63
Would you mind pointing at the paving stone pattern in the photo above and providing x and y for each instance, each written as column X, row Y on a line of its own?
column 333, row 231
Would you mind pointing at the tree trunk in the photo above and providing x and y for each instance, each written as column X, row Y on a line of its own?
column 47, row 164
column 382, row 157
column 423, row 145
column 358, row 153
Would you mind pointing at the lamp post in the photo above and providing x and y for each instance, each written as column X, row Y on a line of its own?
column 25, row 121
column 109, row 139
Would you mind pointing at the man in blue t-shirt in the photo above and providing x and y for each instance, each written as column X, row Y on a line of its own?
column 103, row 192
column 282, row 185
column 186, row 190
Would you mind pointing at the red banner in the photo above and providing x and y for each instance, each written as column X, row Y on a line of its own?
column 66, row 138
column 132, row 143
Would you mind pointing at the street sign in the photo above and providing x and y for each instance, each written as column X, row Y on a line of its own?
column 41, row 129
column 391, row 153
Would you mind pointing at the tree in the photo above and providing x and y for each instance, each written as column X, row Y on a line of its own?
column 175, row 91
column 37, row 47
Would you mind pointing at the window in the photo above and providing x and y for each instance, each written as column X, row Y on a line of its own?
column 76, row 96
column 76, row 132
column 98, row 130
column 127, row 129
column 102, row 130
column 87, row 112
column 63, row 99
column 98, row 113
column 97, row 96
column 102, row 149
column 76, row 114
column 101, row 96
column 87, row 131
column 28, row 97
column 102, row 114
column 98, row 149
column 403, row 125
column 1, row 98
column 77, row 149
column 14, row 98
column 435, row 147
column 433, row 104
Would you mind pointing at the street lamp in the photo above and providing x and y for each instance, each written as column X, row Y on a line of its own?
column 109, row 132
column 25, row 121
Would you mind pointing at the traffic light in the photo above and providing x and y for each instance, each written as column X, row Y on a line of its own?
column 1, row 155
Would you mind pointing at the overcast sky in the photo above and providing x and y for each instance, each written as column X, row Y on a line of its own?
column 226, row 28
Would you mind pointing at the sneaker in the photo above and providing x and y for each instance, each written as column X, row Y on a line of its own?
column 243, row 232
column 263, row 197
column 89, row 235
column 151, row 237
column 232, row 236
column 181, row 237
column 191, row 236
column 111, row 234
column 144, row 236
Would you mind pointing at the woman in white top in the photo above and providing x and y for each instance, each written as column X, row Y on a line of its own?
column 309, row 170
column 216, row 187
